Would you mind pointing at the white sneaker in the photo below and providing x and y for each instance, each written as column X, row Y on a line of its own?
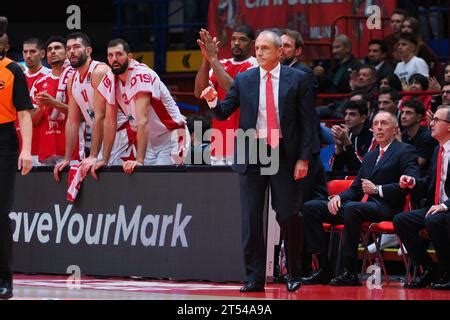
column 387, row 240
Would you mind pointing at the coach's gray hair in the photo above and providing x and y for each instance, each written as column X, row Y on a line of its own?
column 447, row 108
column 391, row 115
column 276, row 38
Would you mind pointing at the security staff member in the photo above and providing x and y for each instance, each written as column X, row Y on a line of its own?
column 14, row 102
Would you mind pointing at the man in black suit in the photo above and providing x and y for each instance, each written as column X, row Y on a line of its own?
column 374, row 196
column 277, row 117
column 435, row 215
column 377, row 55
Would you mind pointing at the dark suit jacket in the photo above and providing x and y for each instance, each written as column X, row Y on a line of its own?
column 303, row 67
column 295, row 102
column 385, row 70
column 400, row 159
column 425, row 186
column 312, row 77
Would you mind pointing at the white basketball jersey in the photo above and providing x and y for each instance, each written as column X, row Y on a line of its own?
column 83, row 92
column 164, row 114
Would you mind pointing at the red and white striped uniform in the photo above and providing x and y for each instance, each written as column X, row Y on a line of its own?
column 167, row 126
column 222, row 149
column 83, row 94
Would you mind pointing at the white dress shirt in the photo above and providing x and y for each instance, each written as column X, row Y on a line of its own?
column 261, row 122
column 446, row 156
column 443, row 196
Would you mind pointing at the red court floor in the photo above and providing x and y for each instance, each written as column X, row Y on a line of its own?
column 50, row 287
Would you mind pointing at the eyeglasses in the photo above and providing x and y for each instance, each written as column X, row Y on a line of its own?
column 436, row 120
column 445, row 92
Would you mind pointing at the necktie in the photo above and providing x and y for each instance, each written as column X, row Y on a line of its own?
column 380, row 155
column 437, row 190
column 366, row 196
column 273, row 136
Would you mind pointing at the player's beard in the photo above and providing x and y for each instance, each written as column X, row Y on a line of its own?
column 81, row 61
column 121, row 70
column 287, row 61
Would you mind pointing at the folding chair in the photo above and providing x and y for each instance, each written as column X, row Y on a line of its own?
column 376, row 230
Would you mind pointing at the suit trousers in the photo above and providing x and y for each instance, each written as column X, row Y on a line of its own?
column 352, row 214
column 253, row 191
column 408, row 225
column 8, row 168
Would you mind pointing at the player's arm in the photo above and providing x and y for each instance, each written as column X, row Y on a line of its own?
column 99, row 111
column 202, row 78
column 109, row 130
column 142, row 104
column 210, row 49
column 224, row 80
column 73, row 122
column 43, row 98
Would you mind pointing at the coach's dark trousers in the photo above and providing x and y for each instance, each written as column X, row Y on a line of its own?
column 253, row 187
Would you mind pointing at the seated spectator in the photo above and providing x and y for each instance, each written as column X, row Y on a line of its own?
column 444, row 99
column 391, row 81
column 365, row 79
column 353, row 139
column 346, row 63
column 370, row 101
column 418, row 82
column 397, row 18
column 335, row 110
column 434, row 216
column 410, row 64
column 411, row 25
column 435, row 84
column 373, row 196
column 377, row 56
column 447, row 73
column 388, row 100
column 416, row 134
column 446, row 94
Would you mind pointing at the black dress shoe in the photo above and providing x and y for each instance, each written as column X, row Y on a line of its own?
column 320, row 276
column 293, row 284
column 441, row 286
column 6, row 291
column 443, row 283
column 346, row 279
column 253, row 286
column 424, row 280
